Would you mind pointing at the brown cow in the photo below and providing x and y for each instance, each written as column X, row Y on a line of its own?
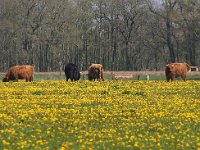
column 95, row 71
column 175, row 70
column 19, row 72
column 93, row 74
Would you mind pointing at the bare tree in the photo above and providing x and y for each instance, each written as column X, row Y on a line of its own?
column 189, row 25
column 120, row 34
column 166, row 13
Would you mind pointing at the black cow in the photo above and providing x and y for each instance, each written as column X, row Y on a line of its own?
column 72, row 72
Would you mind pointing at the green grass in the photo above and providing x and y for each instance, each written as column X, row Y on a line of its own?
column 114, row 114
column 61, row 76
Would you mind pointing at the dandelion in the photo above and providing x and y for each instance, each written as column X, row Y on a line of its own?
column 4, row 142
column 136, row 144
column 48, row 114
column 132, row 138
column 39, row 142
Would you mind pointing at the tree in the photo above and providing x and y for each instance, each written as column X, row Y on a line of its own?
column 189, row 24
column 120, row 34
column 166, row 13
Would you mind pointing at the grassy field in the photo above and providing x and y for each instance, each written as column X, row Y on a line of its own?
column 115, row 75
column 114, row 114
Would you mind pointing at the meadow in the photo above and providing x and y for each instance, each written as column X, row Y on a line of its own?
column 114, row 114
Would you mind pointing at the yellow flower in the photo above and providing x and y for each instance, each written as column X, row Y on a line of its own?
column 136, row 144
column 132, row 138
column 4, row 142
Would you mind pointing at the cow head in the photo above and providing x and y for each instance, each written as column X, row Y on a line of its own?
column 5, row 79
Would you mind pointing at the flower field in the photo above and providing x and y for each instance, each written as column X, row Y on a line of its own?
column 112, row 114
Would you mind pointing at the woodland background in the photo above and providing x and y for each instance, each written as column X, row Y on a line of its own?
column 131, row 35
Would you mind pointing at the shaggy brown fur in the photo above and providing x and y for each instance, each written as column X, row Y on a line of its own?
column 93, row 74
column 95, row 71
column 19, row 72
column 175, row 70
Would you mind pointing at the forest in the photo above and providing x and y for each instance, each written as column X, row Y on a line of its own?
column 123, row 35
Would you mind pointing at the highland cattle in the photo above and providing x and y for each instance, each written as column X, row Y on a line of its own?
column 93, row 74
column 19, row 72
column 72, row 72
column 96, row 71
column 175, row 70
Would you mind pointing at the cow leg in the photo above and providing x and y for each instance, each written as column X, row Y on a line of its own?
column 183, row 77
column 172, row 78
column 168, row 78
column 27, row 79
column 102, row 78
column 30, row 79
column 98, row 78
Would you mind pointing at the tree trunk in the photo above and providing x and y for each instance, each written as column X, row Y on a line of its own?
column 192, row 50
column 170, row 41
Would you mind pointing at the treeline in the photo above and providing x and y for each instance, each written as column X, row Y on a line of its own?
column 120, row 34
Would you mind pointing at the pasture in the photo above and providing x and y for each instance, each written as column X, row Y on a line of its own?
column 112, row 75
column 119, row 75
column 114, row 114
